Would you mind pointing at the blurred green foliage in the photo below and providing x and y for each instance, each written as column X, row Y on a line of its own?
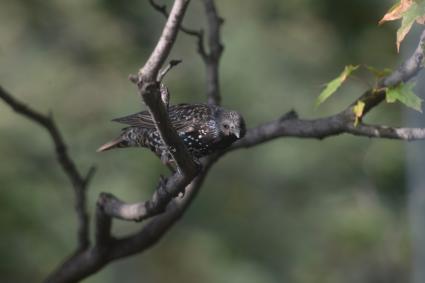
column 291, row 210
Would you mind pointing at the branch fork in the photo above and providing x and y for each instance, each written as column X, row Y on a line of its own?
column 156, row 97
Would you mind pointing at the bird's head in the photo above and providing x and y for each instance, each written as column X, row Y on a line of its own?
column 232, row 124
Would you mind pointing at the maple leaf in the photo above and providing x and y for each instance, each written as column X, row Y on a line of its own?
column 404, row 93
column 409, row 11
column 396, row 11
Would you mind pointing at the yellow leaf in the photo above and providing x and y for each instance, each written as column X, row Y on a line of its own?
column 358, row 111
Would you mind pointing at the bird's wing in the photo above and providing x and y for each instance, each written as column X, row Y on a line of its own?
column 144, row 120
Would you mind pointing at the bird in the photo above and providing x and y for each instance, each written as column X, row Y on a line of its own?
column 203, row 128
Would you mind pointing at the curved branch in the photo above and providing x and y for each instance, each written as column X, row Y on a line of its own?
column 90, row 261
column 154, row 230
column 78, row 181
column 167, row 190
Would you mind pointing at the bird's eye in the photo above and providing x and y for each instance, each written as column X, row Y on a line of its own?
column 226, row 126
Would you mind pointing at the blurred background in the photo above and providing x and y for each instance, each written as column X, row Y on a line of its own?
column 290, row 210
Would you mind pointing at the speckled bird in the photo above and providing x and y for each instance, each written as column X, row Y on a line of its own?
column 203, row 128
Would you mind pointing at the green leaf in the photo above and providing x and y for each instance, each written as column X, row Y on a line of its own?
column 358, row 111
column 403, row 93
column 333, row 85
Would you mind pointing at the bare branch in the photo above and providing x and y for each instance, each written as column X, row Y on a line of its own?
column 409, row 68
column 379, row 131
column 78, row 182
column 150, row 70
column 152, row 232
column 212, row 59
column 199, row 34
column 108, row 249
column 166, row 191
column 291, row 126
column 163, row 10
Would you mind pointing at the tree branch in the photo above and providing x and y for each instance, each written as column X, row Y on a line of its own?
column 152, row 232
column 149, row 72
column 291, row 126
column 212, row 58
column 163, row 10
column 149, row 87
column 90, row 261
column 379, row 131
column 78, row 182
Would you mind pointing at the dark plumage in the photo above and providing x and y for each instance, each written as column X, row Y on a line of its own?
column 203, row 128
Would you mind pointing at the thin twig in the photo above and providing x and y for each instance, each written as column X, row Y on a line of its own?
column 163, row 10
column 167, row 68
column 199, row 34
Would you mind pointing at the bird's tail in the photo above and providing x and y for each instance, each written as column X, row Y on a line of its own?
column 118, row 142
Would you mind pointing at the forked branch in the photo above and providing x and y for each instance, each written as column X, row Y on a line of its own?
column 78, row 181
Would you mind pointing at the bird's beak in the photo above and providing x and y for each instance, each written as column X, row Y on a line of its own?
column 237, row 134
